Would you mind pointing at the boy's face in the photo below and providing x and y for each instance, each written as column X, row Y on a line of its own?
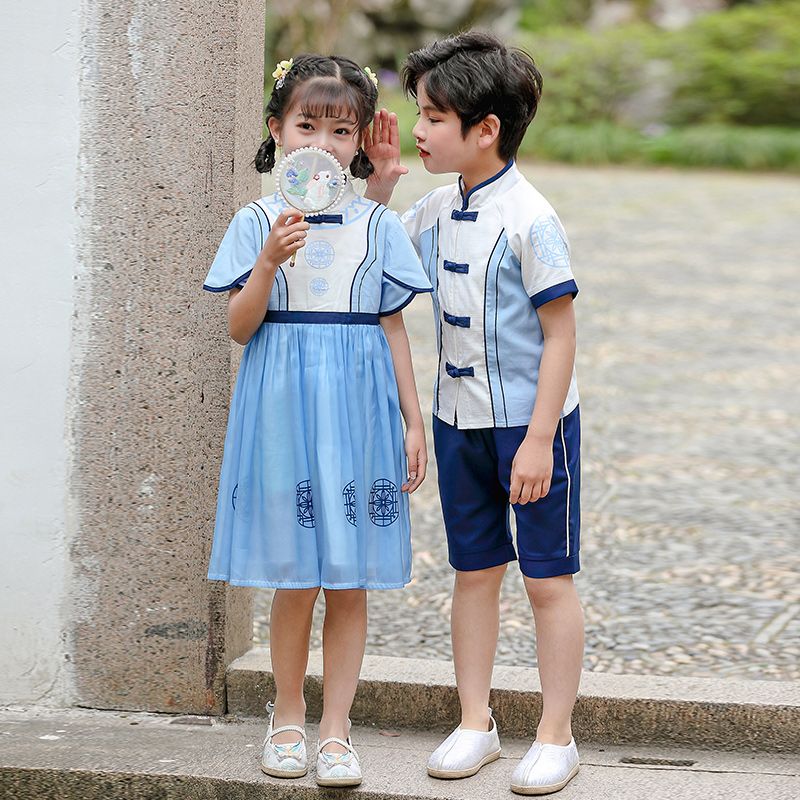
column 440, row 142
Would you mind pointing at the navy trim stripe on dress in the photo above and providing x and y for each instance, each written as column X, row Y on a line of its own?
column 552, row 292
column 322, row 317
column 372, row 248
column 405, row 285
column 229, row 286
column 398, row 308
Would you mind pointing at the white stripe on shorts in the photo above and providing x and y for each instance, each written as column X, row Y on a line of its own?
column 569, row 480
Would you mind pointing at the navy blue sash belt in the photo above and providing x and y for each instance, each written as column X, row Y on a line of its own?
column 323, row 317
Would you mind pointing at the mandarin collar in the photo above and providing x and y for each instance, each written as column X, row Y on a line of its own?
column 488, row 189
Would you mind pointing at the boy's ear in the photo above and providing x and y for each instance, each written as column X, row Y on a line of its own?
column 488, row 131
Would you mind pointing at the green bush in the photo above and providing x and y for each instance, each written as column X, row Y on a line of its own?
column 589, row 77
column 741, row 66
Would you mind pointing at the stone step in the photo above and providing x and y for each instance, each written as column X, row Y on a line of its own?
column 101, row 755
column 418, row 693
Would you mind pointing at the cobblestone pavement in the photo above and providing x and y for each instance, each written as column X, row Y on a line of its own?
column 688, row 373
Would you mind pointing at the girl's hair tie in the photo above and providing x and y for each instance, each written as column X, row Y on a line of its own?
column 372, row 76
column 281, row 71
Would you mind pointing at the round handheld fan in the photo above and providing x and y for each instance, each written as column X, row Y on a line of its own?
column 310, row 180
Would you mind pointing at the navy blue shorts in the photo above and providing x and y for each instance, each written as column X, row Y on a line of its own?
column 474, row 483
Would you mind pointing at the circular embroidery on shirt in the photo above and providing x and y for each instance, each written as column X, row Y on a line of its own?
column 349, row 495
column 383, row 506
column 318, row 286
column 548, row 243
column 319, row 254
column 305, row 504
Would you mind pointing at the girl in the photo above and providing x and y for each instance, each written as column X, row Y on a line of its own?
column 313, row 488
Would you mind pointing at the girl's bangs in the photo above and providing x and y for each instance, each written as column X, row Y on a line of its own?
column 330, row 97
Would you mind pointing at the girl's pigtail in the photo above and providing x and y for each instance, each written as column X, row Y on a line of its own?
column 265, row 157
column 361, row 166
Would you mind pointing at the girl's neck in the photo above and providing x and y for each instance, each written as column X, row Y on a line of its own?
column 477, row 174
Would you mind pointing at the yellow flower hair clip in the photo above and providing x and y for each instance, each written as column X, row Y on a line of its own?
column 281, row 71
column 372, row 76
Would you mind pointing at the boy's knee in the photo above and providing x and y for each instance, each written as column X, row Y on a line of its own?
column 546, row 591
column 478, row 579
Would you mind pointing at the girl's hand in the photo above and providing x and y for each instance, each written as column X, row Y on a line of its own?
column 417, row 455
column 287, row 236
column 531, row 470
column 382, row 147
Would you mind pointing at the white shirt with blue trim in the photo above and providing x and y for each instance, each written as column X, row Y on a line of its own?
column 494, row 256
column 357, row 259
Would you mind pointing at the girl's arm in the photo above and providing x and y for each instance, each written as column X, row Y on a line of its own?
column 532, row 469
column 382, row 147
column 248, row 305
column 416, row 449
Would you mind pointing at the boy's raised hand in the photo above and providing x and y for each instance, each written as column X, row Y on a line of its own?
column 382, row 146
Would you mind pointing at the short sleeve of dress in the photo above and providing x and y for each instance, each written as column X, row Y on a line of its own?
column 237, row 252
column 545, row 259
column 403, row 275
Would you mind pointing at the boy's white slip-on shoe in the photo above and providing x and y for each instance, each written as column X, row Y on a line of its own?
column 545, row 768
column 338, row 769
column 284, row 760
column 464, row 752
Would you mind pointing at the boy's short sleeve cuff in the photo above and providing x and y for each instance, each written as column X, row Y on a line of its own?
column 552, row 292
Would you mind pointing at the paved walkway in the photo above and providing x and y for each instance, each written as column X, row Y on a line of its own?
column 688, row 372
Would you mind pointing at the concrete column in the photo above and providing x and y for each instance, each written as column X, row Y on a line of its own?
column 170, row 120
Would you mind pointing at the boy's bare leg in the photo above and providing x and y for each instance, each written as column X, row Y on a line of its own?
column 474, row 623
column 559, row 645
column 344, row 637
column 289, row 633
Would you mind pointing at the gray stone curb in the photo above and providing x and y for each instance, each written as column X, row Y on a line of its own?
column 689, row 712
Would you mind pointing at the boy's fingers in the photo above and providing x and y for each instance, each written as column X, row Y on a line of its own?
column 513, row 495
column 394, row 130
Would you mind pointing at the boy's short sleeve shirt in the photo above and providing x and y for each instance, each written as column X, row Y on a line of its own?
column 494, row 256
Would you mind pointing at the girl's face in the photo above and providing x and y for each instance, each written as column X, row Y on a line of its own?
column 338, row 136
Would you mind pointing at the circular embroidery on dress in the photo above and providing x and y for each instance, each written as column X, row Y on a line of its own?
column 349, row 495
column 548, row 243
column 318, row 286
column 233, row 496
column 319, row 254
column 383, row 506
column 305, row 504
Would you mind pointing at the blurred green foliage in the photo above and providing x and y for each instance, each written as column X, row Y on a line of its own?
column 742, row 67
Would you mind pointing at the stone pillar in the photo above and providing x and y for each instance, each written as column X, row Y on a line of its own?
column 170, row 120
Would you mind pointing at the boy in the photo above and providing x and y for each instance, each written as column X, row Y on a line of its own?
column 506, row 420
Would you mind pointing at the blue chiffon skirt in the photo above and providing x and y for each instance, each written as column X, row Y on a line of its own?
column 309, row 491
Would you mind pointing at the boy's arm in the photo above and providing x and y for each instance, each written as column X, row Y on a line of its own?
column 416, row 449
column 532, row 469
column 382, row 147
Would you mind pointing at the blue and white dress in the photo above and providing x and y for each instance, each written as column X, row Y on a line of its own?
column 309, row 491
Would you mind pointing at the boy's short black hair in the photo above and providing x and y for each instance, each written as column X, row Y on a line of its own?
column 474, row 74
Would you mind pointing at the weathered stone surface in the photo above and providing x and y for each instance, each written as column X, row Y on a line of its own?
column 170, row 122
